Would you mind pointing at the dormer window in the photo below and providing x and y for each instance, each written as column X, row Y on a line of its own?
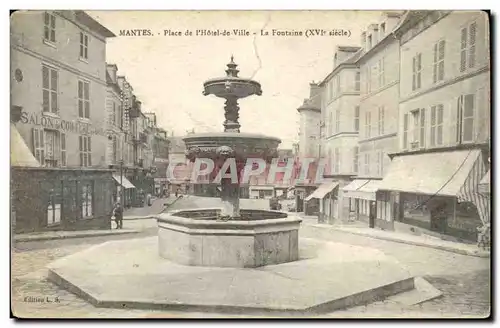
column 369, row 44
column 335, row 61
column 382, row 30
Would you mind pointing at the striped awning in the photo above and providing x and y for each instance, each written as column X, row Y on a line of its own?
column 451, row 173
column 125, row 182
column 484, row 185
column 20, row 154
column 323, row 190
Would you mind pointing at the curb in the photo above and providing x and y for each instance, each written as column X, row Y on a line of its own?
column 83, row 235
column 415, row 243
column 131, row 218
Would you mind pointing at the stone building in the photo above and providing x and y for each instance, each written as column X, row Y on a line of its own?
column 340, row 118
column 378, row 111
column 444, row 125
column 58, row 74
column 58, row 87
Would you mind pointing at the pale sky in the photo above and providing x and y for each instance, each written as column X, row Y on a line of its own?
column 167, row 72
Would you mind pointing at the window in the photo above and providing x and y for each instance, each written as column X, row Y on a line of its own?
column 337, row 82
column 367, row 164
column 87, row 193
column 63, row 149
column 468, row 47
column 382, row 30
column 115, row 149
column 49, row 89
column 54, row 204
column 85, row 151
column 381, row 74
column 373, row 78
column 120, row 116
column 369, row 45
column 355, row 161
column 337, row 160
column 368, row 122
column 381, row 163
column 438, row 65
column 52, row 150
column 84, row 45
column 330, row 124
column 437, row 125
column 39, row 145
column 83, row 99
column 356, row 118
column 405, row 131
column 415, row 128
column 381, row 120
column 417, row 72
column 357, row 81
column 113, row 114
column 422, row 128
column 465, row 120
column 331, row 89
column 367, row 73
column 49, row 27
column 377, row 163
column 337, row 120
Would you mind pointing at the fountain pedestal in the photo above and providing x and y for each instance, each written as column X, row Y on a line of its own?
column 197, row 238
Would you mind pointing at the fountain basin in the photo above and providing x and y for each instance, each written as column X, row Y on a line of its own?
column 244, row 145
column 259, row 238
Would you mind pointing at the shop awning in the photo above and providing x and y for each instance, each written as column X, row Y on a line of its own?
column 20, row 154
column 126, row 183
column 323, row 190
column 362, row 189
column 452, row 173
column 484, row 185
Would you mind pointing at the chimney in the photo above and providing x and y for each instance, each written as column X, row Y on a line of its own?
column 112, row 70
column 363, row 40
column 315, row 94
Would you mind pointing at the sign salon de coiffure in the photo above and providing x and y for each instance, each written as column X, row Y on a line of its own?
column 60, row 124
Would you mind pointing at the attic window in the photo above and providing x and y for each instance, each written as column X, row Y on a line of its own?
column 369, row 45
column 382, row 30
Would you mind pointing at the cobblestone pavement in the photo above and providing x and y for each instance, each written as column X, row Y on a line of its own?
column 464, row 280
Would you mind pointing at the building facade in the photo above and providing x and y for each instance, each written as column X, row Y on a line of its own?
column 378, row 112
column 444, row 118
column 58, row 88
column 340, row 114
column 58, row 59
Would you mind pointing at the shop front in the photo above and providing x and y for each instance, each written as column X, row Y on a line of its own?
column 362, row 195
column 438, row 193
column 325, row 199
column 49, row 199
column 121, row 181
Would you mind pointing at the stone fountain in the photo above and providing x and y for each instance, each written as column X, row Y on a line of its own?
column 232, row 259
column 229, row 236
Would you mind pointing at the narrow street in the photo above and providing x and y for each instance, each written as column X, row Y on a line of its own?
column 464, row 280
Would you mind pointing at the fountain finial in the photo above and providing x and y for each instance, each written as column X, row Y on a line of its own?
column 231, row 68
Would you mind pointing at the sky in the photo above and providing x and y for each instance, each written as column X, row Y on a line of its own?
column 167, row 72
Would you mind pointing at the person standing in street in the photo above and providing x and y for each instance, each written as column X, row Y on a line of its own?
column 118, row 214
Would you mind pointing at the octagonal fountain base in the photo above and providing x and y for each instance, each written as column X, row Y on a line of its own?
column 328, row 276
column 259, row 238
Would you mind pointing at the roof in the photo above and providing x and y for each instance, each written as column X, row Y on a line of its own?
column 92, row 24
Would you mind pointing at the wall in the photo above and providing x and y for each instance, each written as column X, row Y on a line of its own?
column 309, row 133
column 475, row 80
column 384, row 93
column 29, row 52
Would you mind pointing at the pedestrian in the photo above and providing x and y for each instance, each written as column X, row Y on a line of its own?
column 118, row 214
column 177, row 192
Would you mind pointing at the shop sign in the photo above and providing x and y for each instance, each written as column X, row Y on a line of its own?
column 60, row 124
